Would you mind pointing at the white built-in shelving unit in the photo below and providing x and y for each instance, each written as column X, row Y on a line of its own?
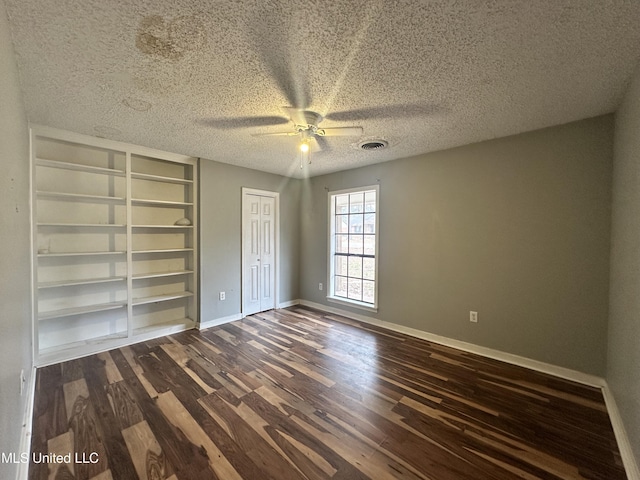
column 111, row 266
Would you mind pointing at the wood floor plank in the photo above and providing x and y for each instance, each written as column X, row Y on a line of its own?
column 188, row 459
column 301, row 394
column 258, row 449
column 137, row 369
column 111, row 371
column 146, row 453
column 87, row 429
column 114, row 412
column 310, row 455
column 125, row 410
column 187, row 392
column 175, row 412
column 49, row 416
column 61, row 446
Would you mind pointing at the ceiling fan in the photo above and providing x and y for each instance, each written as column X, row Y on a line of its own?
column 286, row 62
column 306, row 126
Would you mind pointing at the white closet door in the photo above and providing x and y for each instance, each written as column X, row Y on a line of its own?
column 258, row 245
column 267, row 253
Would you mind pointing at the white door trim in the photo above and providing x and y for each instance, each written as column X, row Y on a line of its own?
column 276, row 196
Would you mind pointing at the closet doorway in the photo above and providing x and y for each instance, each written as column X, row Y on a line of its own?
column 260, row 222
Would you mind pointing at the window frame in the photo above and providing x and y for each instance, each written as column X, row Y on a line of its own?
column 331, row 297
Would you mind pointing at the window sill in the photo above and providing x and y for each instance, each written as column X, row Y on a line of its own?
column 353, row 303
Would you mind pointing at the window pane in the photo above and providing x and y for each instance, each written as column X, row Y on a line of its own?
column 355, row 223
column 342, row 203
column 342, row 223
column 355, row 267
column 356, row 201
column 355, row 289
column 369, row 268
column 341, row 265
column 355, row 244
column 369, row 223
column 368, row 291
column 370, row 201
column 342, row 243
column 341, row 286
column 369, row 244
column 354, row 241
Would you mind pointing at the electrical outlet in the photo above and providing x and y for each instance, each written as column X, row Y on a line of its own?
column 222, row 295
column 23, row 381
column 319, row 286
column 473, row 317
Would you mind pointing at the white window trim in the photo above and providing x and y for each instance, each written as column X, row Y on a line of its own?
column 330, row 263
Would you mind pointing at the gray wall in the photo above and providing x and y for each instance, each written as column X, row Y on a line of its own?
column 516, row 228
column 623, row 362
column 220, row 227
column 15, row 254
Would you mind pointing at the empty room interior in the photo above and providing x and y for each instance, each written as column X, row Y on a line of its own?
column 351, row 239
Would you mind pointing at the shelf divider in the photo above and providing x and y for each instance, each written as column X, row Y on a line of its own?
column 69, row 312
column 78, row 197
column 163, row 250
column 81, row 225
column 160, row 178
column 77, row 254
column 160, row 298
column 86, row 281
column 140, row 276
column 159, row 203
column 43, row 162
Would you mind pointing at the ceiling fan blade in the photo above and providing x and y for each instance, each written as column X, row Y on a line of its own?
column 322, row 143
column 340, row 132
column 274, row 50
column 386, row 111
column 275, row 134
column 243, row 122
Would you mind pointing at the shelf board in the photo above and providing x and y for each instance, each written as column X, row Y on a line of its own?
column 86, row 281
column 160, row 298
column 68, row 312
column 42, row 162
column 164, row 250
column 163, row 203
column 78, row 254
column 67, row 351
column 77, row 197
column 82, row 225
column 175, row 227
column 140, row 276
column 165, row 328
column 63, row 351
column 159, row 178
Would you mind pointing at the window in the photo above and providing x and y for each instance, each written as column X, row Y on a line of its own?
column 353, row 246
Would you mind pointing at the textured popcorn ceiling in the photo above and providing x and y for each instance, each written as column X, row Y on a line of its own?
column 199, row 77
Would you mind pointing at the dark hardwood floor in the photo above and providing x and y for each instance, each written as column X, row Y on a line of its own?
column 300, row 394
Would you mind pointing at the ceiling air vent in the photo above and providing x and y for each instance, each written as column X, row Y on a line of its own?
column 373, row 144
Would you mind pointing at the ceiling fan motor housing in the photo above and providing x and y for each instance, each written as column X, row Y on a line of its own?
column 312, row 120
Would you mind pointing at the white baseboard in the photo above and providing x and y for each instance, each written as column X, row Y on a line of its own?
column 626, row 452
column 27, row 426
column 239, row 316
column 289, row 303
column 220, row 321
column 543, row 367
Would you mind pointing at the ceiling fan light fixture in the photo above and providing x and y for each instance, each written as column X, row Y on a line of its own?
column 305, row 150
